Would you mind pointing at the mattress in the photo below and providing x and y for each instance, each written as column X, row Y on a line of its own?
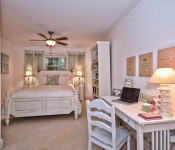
column 44, row 91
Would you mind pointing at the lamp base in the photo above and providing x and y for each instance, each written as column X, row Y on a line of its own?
column 165, row 103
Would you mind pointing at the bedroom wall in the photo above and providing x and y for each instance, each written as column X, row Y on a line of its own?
column 19, row 64
column 7, row 80
column 148, row 27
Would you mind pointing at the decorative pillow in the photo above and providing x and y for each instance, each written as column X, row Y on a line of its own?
column 64, row 79
column 52, row 80
column 42, row 79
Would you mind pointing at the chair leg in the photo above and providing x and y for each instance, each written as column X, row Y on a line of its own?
column 89, row 145
column 128, row 143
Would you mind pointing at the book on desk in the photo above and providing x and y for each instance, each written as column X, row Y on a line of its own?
column 150, row 116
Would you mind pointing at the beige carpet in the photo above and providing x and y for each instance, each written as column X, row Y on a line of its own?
column 60, row 132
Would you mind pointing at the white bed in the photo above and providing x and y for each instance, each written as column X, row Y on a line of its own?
column 44, row 99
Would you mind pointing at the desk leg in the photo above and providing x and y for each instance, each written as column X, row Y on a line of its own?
column 140, row 144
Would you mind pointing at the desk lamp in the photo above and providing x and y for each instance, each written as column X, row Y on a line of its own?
column 28, row 74
column 164, row 77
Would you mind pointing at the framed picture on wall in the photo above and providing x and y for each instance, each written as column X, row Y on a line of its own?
column 146, row 64
column 4, row 63
column 166, row 58
column 130, row 66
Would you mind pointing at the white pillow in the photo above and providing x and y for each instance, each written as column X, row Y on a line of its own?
column 64, row 79
column 42, row 79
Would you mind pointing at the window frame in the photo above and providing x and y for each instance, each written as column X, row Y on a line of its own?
column 60, row 55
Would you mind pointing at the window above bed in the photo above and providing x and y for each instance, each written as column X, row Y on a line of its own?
column 56, row 62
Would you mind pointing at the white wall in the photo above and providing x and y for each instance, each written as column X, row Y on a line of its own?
column 148, row 27
column 7, row 80
column 19, row 64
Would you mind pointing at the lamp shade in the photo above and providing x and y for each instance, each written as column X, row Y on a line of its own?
column 163, row 76
column 79, row 73
column 50, row 42
column 28, row 73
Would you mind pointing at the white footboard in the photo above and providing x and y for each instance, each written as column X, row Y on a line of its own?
column 41, row 106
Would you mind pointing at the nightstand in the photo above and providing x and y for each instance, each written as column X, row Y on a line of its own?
column 80, row 90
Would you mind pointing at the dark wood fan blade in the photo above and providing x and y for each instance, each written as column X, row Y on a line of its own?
column 42, row 35
column 61, row 43
column 62, row 38
column 37, row 40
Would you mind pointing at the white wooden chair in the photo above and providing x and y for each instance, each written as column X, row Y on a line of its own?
column 102, row 127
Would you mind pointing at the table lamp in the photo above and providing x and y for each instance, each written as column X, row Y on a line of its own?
column 79, row 75
column 28, row 74
column 164, row 77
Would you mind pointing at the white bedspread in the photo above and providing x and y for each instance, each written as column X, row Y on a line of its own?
column 45, row 91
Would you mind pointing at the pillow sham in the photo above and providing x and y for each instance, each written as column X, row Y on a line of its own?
column 64, row 79
column 52, row 80
column 42, row 79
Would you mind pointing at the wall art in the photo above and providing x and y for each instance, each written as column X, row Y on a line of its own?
column 131, row 64
column 146, row 64
column 166, row 58
column 4, row 63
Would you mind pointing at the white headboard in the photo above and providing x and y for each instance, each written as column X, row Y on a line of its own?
column 55, row 73
column 43, row 75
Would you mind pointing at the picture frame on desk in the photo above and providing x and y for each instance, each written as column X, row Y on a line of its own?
column 116, row 92
column 128, row 83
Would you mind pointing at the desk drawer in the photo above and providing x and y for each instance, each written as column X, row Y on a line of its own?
column 127, row 120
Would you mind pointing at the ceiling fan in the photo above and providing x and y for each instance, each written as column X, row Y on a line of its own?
column 51, row 41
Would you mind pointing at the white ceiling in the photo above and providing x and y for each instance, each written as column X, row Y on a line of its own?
column 82, row 21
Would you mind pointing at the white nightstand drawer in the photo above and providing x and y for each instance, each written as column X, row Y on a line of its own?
column 80, row 90
column 81, row 97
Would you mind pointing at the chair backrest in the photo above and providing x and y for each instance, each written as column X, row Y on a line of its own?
column 101, row 115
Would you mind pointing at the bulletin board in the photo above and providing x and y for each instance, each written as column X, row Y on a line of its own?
column 131, row 65
column 166, row 58
column 146, row 64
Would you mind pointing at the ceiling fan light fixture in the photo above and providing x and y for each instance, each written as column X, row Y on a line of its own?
column 50, row 42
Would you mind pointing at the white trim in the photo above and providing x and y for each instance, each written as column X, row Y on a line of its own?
column 103, row 42
column 1, row 143
column 46, row 55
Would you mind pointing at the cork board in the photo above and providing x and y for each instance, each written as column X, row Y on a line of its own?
column 131, row 64
column 166, row 58
column 146, row 64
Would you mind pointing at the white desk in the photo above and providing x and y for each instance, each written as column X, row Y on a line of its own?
column 159, row 128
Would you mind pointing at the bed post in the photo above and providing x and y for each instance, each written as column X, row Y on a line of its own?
column 76, row 105
column 7, row 108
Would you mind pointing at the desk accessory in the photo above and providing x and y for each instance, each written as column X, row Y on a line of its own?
column 146, row 107
column 150, row 116
column 164, row 77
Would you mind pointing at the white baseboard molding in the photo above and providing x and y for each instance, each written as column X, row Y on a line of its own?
column 1, row 143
